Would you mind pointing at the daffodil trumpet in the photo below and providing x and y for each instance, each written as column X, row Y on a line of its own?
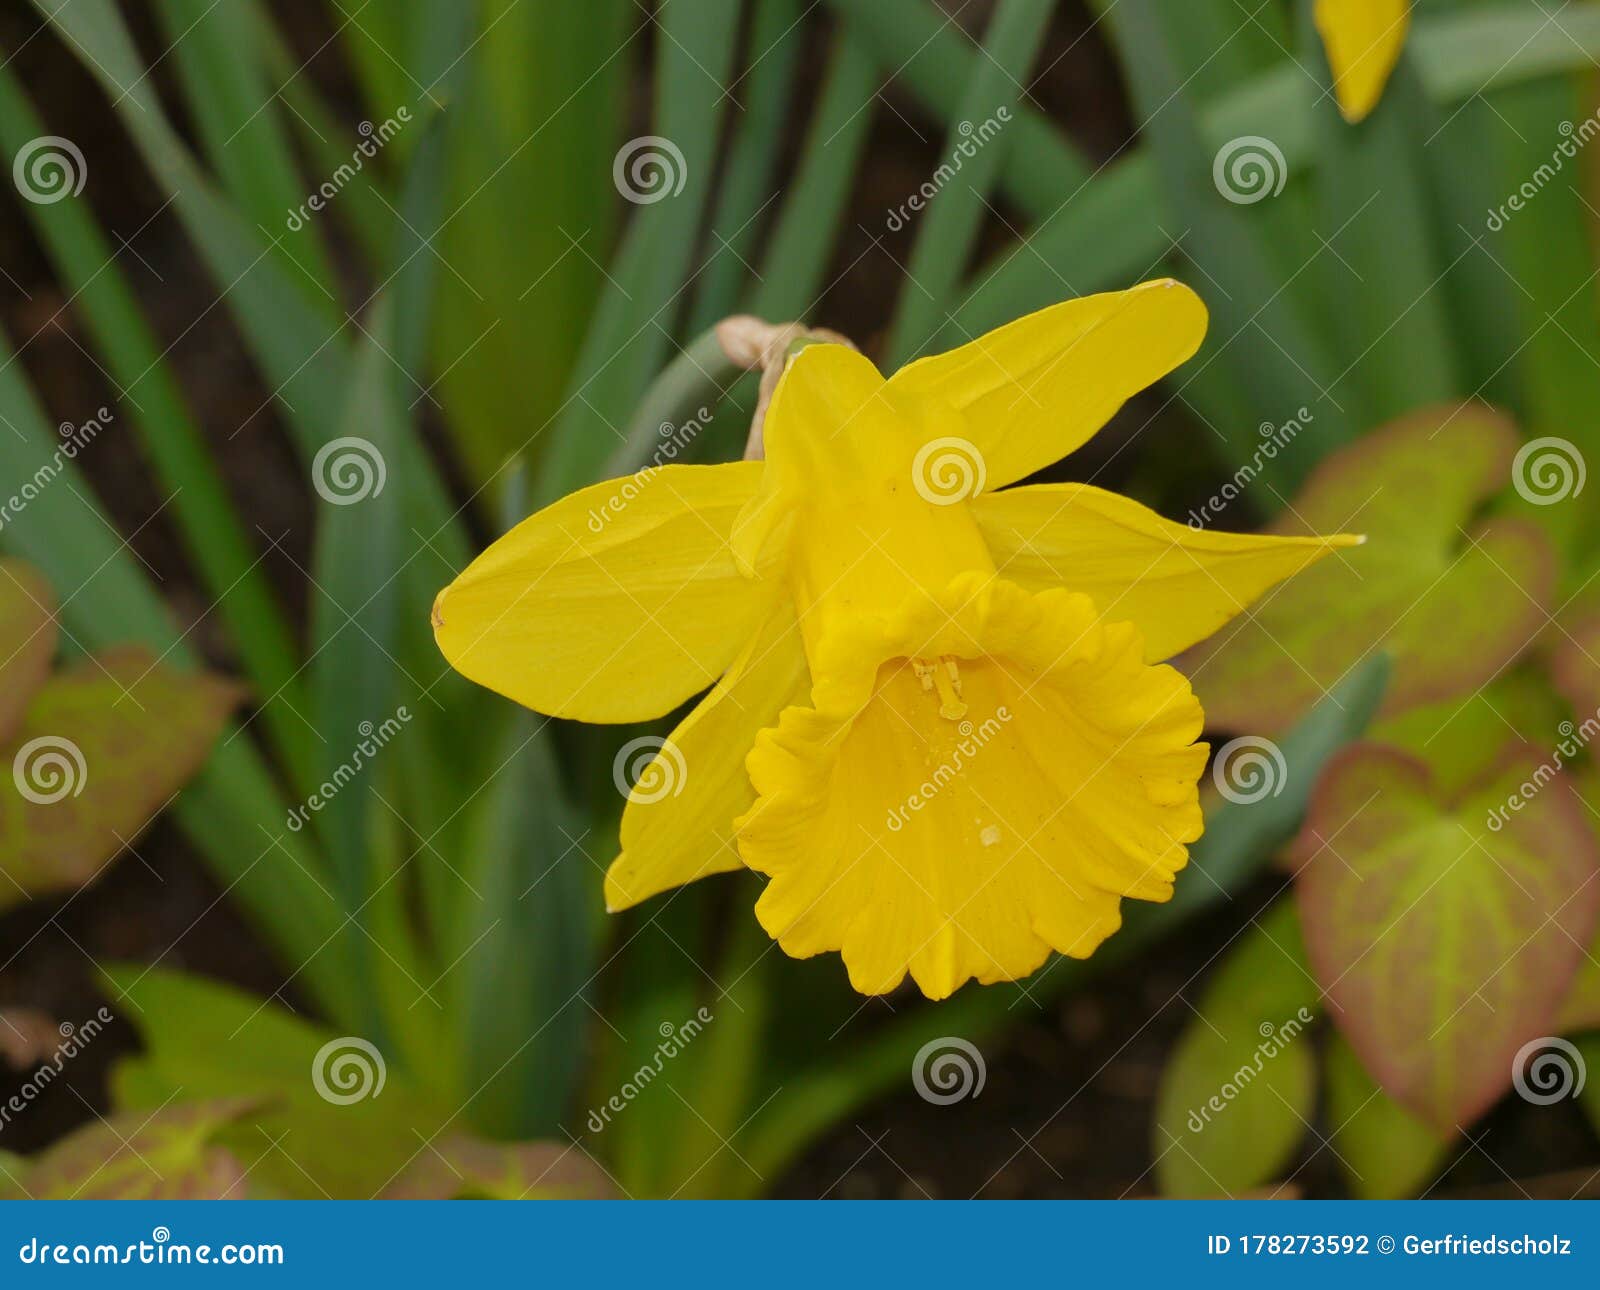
column 940, row 723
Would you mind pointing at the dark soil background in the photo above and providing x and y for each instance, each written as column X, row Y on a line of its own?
column 1066, row 1109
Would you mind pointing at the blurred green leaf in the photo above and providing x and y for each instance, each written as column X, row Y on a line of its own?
column 777, row 33
column 214, row 535
column 1238, row 1093
column 814, row 199
column 167, row 1153
column 1444, row 930
column 27, row 639
column 331, row 1119
column 974, row 149
column 525, row 941
column 529, row 217
column 669, row 174
column 103, row 747
column 1453, row 604
column 1385, row 1151
column 461, row 1167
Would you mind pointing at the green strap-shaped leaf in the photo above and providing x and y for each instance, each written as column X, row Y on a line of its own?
column 102, row 749
column 1445, row 930
column 1451, row 600
column 1239, row 1091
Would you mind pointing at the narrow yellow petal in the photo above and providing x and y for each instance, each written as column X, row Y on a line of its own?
column 1177, row 584
column 1363, row 39
column 1039, row 387
column 616, row 603
column 680, row 827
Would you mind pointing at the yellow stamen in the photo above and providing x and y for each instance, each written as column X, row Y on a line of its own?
column 948, row 681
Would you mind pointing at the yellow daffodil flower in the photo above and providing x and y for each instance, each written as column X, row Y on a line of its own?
column 941, row 728
column 1363, row 40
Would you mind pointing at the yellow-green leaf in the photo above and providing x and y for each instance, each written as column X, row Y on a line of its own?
column 1451, row 598
column 101, row 749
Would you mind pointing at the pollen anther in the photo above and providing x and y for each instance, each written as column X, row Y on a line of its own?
column 947, row 679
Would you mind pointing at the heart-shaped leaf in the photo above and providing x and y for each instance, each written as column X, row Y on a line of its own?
column 1575, row 669
column 333, row 1119
column 469, row 1168
column 27, row 639
column 1240, row 1089
column 1445, row 929
column 165, row 1155
column 102, row 748
column 1451, row 600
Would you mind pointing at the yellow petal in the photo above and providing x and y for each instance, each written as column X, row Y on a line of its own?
column 1363, row 40
column 1176, row 583
column 1039, row 387
column 614, row 604
column 970, row 848
column 678, row 825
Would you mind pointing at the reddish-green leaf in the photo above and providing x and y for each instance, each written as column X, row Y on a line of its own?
column 1452, row 600
column 469, row 1168
column 140, row 1155
column 102, row 748
column 1574, row 669
column 1445, row 929
column 27, row 639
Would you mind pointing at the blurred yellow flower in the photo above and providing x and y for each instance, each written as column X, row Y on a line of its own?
column 1363, row 39
column 941, row 728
